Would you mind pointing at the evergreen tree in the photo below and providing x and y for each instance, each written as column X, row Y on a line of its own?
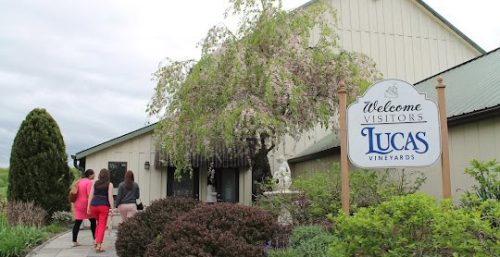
column 38, row 164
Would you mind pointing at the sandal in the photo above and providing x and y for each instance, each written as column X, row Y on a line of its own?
column 99, row 249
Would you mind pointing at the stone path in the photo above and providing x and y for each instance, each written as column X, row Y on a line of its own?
column 61, row 246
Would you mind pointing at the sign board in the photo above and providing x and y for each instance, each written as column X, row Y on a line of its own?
column 393, row 125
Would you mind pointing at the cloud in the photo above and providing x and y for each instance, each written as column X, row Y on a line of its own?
column 89, row 63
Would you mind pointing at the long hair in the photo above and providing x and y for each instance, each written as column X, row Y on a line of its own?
column 89, row 173
column 103, row 179
column 129, row 180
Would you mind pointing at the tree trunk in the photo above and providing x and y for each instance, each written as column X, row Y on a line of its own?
column 261, row 170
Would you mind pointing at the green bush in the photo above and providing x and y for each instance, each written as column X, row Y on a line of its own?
column 38, row 170
column 487, row 176
column 320, row 193
column 287, row 252
column 414, row 225
column 306, row 241
column 62, row 218
column 17, row 240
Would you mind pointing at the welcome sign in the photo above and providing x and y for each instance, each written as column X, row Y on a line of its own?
column 393, row 125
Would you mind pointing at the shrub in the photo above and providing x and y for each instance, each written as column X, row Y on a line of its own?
column 25, row 214
column 217, row 230
column 38, row 169
column 306, row 241
column 63, row 218
column 414, row 225
column 138, row 232
column 17, row 240
column 487, row 175
column 320, row 193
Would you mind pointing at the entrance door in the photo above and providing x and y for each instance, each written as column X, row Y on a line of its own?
column 227, row 185
column 187, row 186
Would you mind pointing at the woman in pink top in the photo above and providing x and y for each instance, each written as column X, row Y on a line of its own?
column 80, row 206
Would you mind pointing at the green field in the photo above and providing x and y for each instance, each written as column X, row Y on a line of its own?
column 3, row 183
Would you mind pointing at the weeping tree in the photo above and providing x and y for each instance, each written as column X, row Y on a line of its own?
column 38, row 169
column 277, row 74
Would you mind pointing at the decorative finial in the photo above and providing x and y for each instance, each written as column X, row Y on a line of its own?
column 342, row 88
column 440, row 82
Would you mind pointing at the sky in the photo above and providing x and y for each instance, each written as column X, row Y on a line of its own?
column 89, row 62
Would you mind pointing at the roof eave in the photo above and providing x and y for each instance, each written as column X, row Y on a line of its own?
column 451, row 26
column 115, row 141
column 436, row 14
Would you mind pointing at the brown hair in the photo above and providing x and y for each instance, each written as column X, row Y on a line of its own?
column 129, row 180
column 103, row 179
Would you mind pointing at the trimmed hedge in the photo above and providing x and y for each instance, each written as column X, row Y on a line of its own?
column 415, row 225
column 138, row 232
column 217, row 230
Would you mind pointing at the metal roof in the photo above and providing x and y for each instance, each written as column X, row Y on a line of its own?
column 472, row 89
column 471, row 86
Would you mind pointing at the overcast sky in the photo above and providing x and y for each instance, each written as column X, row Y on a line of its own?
column 89, row 63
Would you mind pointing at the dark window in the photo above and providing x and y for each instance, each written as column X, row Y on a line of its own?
column 187, row 186
column 117, row 172
column 227, row 185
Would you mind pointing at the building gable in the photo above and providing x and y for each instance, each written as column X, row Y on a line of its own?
column 406, row 38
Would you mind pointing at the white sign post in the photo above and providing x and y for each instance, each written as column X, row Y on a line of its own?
column 393, row 125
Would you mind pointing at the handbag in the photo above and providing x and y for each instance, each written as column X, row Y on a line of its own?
column 73, row 193
column 139, row 204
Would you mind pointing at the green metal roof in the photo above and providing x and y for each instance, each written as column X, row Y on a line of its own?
column 435, row 14
column 115, row 141
column 472, row 89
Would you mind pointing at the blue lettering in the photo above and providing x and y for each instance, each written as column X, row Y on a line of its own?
column 385, row 143
column 411, row 140
column 423, row 141
column 394, row 144
column 379, row 143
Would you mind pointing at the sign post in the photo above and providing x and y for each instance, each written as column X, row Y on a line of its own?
column 445, row 157
column 393, row 125
column 344, row 164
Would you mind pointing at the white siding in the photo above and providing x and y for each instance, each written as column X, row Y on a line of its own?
column 153, row 182
column 404, row 39
column 136, row 151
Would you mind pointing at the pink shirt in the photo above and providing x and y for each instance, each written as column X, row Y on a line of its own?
column 80, row 205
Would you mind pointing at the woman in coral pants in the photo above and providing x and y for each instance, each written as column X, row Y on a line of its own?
column 99, row 204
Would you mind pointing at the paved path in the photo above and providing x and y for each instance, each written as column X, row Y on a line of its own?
column 61, row 246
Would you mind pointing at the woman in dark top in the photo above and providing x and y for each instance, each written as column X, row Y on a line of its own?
column 100, row 202
column 128, row 193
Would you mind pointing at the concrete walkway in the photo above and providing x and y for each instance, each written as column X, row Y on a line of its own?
column 61, row 246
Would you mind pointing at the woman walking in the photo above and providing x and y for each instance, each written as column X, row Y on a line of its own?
column 84, row 186
column 128, row 193
column 99, row 204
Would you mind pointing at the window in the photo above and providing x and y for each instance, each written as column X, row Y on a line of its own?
column 227, row 185
column 117, row 172
column 187, row 186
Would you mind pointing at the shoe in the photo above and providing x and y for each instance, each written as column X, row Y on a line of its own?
column 75, row 244
column 99, row 249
